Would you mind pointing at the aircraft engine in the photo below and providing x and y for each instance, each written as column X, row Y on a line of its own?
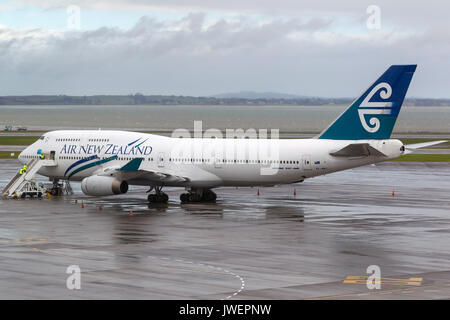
column 103, row 186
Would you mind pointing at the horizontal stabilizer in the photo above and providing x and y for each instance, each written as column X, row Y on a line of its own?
column 358, row 150
column 409, row 148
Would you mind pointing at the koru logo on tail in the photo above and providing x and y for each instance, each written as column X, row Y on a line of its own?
column 371, row 108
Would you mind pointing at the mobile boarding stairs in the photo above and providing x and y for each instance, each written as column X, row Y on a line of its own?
column 23, row 185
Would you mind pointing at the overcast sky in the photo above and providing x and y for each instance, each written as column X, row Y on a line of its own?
column 205, row 47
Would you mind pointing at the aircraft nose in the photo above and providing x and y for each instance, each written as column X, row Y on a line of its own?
column 21, row 156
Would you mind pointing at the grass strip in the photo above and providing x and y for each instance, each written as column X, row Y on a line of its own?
column 7, row 154
column 17, row 140
column 424, row 158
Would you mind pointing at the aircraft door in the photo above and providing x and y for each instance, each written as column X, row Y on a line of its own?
column 218, row 159
column 161, row 159
column 306, row 162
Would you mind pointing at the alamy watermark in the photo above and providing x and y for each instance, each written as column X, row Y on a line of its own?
column 218, row 149
column 374, row 280
column 73, row 17
column 374, row 20
column 74, row 279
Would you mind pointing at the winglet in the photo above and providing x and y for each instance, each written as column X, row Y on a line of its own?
column 133, row 165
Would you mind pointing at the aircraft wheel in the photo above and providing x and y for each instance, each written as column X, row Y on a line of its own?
column 158, row 198
column 209, row 196
column 184, row 197
column 193, row 197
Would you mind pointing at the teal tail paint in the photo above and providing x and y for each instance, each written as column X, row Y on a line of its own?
column 373, row 114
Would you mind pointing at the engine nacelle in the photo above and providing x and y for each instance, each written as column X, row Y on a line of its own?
column 103, row 186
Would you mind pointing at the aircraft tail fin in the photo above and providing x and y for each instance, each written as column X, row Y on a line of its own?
column 373, row 114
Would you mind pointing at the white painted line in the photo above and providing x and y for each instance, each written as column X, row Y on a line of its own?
column 225, row 271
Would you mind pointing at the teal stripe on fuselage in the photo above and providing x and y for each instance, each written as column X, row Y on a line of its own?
column 79, row 162
column 140, row 143
column 92, row 164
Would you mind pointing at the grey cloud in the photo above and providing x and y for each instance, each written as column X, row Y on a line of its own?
column 196, row 56
column 410, row 12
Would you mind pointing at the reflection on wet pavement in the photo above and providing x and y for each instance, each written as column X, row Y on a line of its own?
column 276, row 245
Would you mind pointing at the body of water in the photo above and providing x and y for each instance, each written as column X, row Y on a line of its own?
column 169, row 117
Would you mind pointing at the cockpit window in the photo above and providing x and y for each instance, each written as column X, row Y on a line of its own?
column 42, row 138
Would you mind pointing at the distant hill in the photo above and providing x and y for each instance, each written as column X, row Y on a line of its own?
column 257, row 95
column 242, row 98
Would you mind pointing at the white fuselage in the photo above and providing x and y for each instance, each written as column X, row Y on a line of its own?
column 206, row 163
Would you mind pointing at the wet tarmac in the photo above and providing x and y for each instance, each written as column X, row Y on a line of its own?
column 273, row 246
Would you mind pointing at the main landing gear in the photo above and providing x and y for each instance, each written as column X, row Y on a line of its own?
column 57, row 188
column 158, row 196
column 198, row 195
column 193, row 195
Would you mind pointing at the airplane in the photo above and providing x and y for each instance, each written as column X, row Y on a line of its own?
column 107, row 162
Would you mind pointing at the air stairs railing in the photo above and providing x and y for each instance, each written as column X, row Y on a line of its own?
column 8, row 186
column 24, row 184
column 14, row 184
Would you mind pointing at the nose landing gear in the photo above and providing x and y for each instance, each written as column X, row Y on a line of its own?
column 57, row 188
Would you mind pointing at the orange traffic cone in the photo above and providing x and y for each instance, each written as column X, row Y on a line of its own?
column 82, row 205
column 258, row 192
column 131, row 213
column 393, row 193
column 295, row 192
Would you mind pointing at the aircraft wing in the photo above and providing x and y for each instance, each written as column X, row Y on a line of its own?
column 357, row 150
column 132, row 170
column 409, row 148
